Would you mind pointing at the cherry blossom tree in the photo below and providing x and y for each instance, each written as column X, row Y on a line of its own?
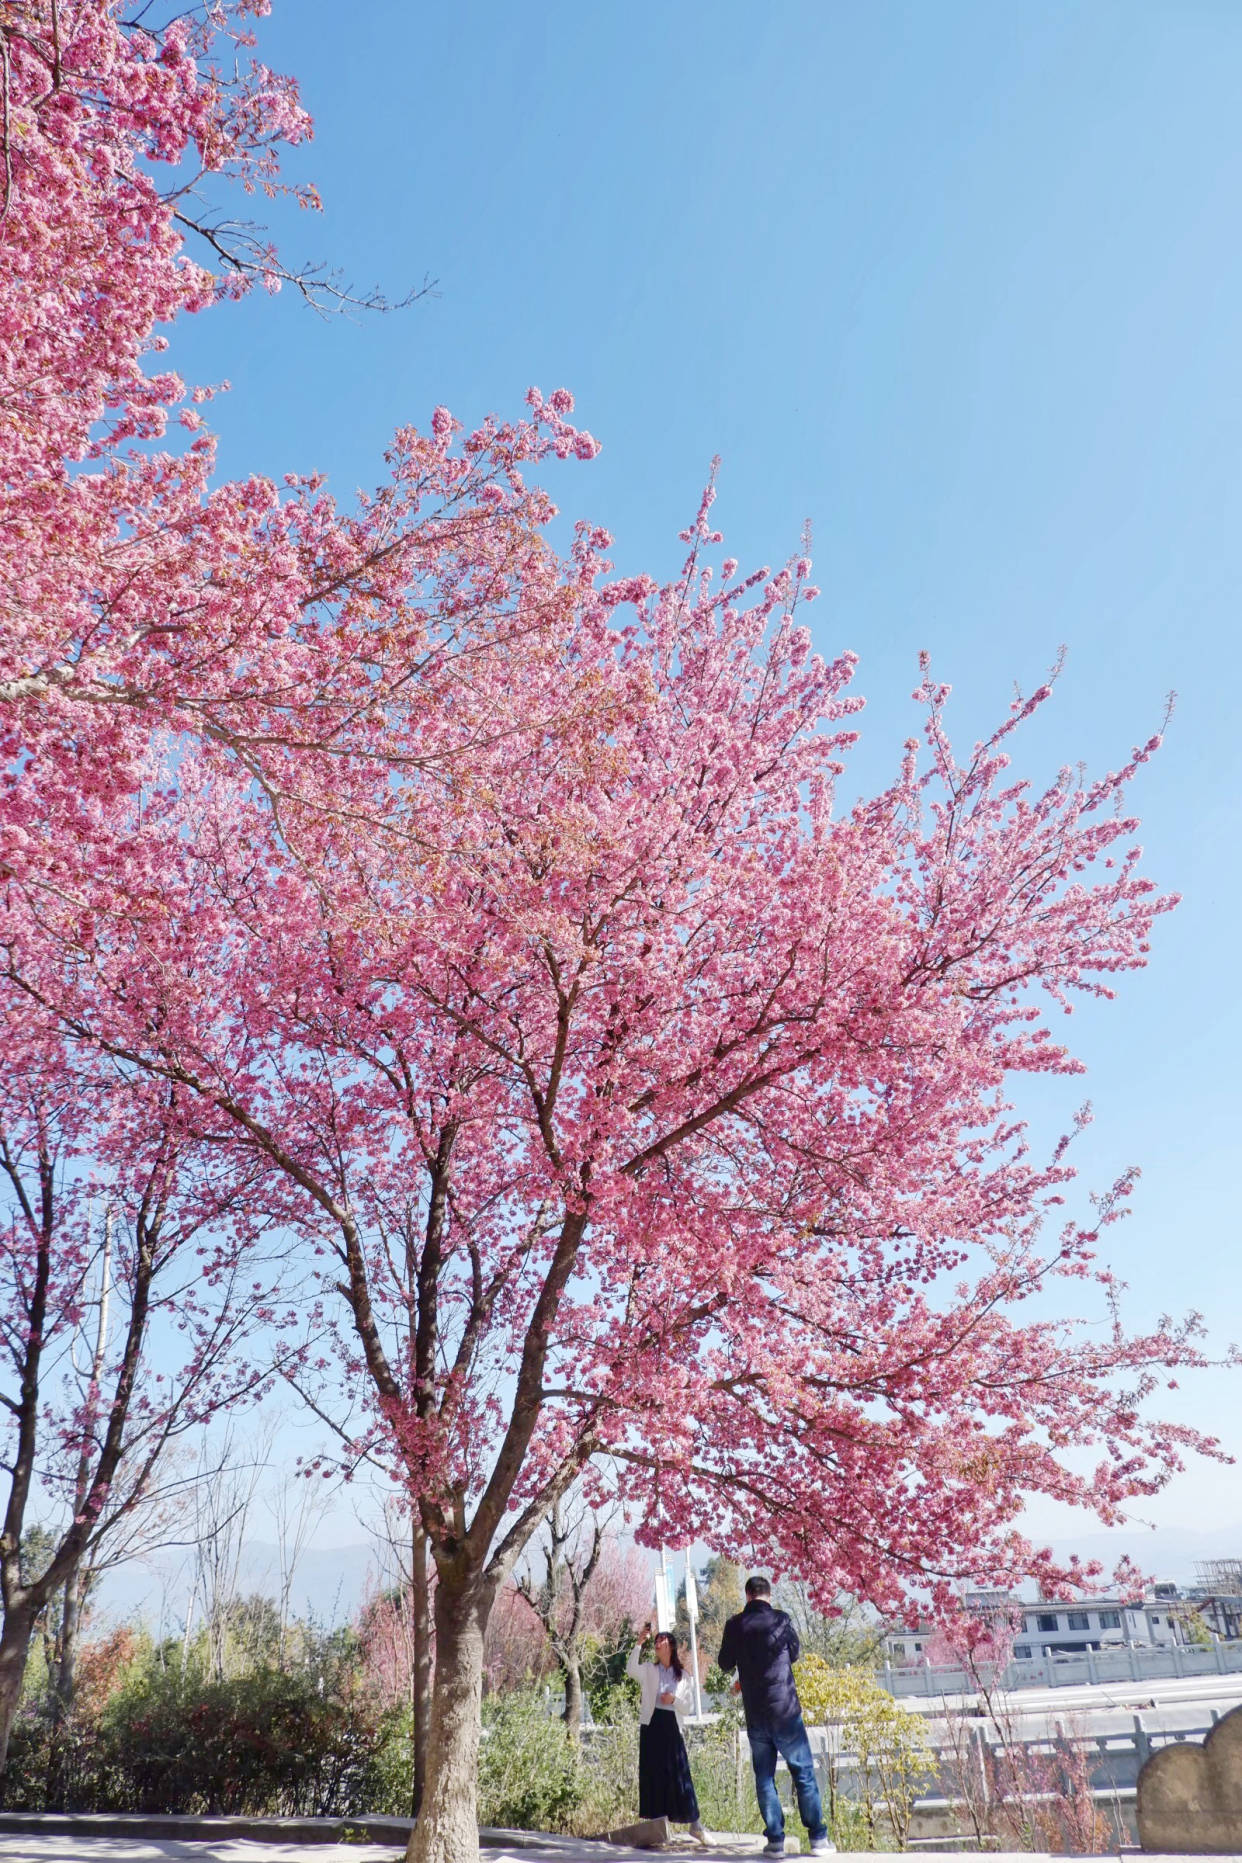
column 127, row 1283
column 651, row 1116
column 643, row 1114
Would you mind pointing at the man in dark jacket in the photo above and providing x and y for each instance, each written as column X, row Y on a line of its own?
column 762, row 1645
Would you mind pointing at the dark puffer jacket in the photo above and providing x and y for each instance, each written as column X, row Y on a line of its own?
column 762, row 1645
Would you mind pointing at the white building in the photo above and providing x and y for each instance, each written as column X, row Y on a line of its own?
column 1055, row 1626
column 1066, row 1628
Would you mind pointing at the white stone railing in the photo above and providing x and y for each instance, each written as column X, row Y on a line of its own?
column 1154, row 1663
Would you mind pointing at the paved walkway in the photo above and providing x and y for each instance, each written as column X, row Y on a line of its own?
column 38, row 1848
column 29, row 1843
column 144, row 1842
column 120, row 1838
column 41, row 1847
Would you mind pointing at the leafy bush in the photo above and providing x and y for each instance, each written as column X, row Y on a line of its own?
column 529, row 1774
column 885, row 1746
column 30, row 1761
column 604, row 1679
column 53, row 1766
column 531, row 1778
column 154, row 1733
column 263, row 1742
column 723, row 1779
column 290, row 1743
column 608, row 1770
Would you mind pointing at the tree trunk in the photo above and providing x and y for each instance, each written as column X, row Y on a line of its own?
column 420, row 1601
column 572, row 1674
column 448, row 1828
column 15, row 1639
column 64, row 1688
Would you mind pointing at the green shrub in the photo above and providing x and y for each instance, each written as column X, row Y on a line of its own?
column 604, row 1679
column 723, row 1779
column 261, row 1743
column 292, row 1743
column 156, row 1735
column 529, row 1775
column 887, row 1746
column 608, row 1790
column 390, row 1780
column 29, row 1761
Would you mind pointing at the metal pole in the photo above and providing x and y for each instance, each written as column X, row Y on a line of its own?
column 663, row 1595
column 692, row 1612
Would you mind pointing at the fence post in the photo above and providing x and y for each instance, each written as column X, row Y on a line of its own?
column 980, row 1740
column 1179, row 1661
column 1219, row 1648
column 1134, row 1668
column 1093, row 1674
column 1142, row 1742
column 739, row 1770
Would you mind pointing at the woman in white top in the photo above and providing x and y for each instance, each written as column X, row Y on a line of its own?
column 665, row 1788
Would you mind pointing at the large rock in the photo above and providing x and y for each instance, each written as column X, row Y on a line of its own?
column 1190, row 1796
column 647, row 1834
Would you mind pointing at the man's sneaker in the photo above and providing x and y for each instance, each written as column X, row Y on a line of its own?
column 823, row 1847
column 775, row 1847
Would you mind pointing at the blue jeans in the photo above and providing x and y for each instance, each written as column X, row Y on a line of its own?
column 790, row 1741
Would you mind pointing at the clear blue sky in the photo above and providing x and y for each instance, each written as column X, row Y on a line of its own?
column 961, row 284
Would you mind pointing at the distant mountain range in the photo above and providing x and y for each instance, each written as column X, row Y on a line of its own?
column 331, row 1582
column 1161, row 1552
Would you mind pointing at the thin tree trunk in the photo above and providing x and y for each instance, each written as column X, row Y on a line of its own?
column 15, row 1640
column 572, row 1673
column 64, row 1687
column 76, row 1580
column 448, row 1829
column 420, row 1602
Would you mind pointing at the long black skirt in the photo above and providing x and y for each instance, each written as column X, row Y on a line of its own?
column 665, row 1788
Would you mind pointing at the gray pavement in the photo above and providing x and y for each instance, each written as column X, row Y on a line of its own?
column 43, row 1847
column 46, row 1848
column 39, row 1847
column 52, row 1849
column 51, row 1837
column 505, row 1847
column 66, row 1844
column 136, row 1845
